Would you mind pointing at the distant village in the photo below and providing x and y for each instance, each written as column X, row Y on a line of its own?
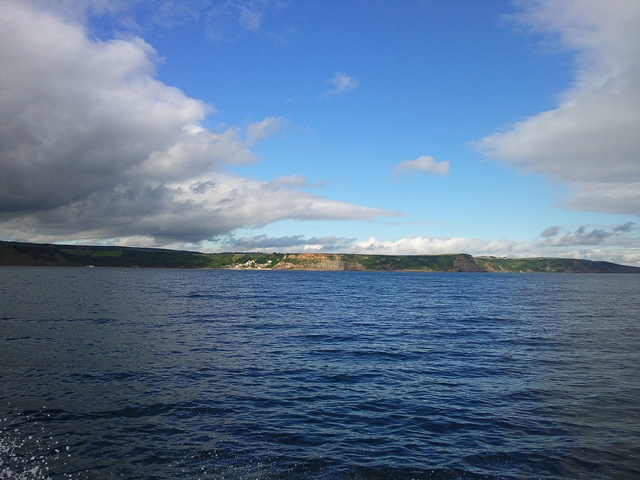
column 251, row 265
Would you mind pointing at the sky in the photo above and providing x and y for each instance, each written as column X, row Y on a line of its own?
column 503, row 128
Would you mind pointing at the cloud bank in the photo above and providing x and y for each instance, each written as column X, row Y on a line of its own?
column 92, row 146
column 590, row 142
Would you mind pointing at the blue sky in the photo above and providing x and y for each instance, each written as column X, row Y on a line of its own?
column 411, row 127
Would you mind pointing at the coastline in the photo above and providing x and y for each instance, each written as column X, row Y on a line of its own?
column 33, row 254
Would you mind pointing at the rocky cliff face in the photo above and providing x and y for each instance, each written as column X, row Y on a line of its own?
column 465, row 263
column 337, row 262
column 316, row 261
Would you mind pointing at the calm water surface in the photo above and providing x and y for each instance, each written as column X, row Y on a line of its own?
column 134, row 373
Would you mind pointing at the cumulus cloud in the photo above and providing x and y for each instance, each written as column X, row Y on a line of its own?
column 342, row 83
column 189, row 212
column 93, row 146
column 422, row 164
column 76, row 114
column 591, row 140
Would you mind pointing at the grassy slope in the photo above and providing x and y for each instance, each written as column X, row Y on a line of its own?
column 14, row 253
column 554, row 265
column 441, row 263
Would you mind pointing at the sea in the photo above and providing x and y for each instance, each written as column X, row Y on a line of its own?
column 218, row 374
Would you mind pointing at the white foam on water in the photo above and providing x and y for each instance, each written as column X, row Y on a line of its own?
column 23, row 456
column 13, row 462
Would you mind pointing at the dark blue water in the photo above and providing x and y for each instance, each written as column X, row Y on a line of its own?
column 135, row 373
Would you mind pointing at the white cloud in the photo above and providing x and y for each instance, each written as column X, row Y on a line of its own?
column 433, row 246
column 422, row 164
column 591, row 140
column 293, row 181
column 342, row 83
column 92, row 146
column 268, row 126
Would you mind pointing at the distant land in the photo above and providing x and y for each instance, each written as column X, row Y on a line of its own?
column 34, row 254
